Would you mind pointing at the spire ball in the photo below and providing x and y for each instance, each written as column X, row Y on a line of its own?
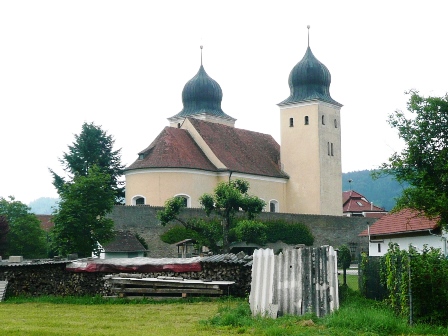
column 308, row 26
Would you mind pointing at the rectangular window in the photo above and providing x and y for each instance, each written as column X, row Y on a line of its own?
column 331, row 149
column 307, row 120
column 379, row 248
column 328, row 146
column 291, row 122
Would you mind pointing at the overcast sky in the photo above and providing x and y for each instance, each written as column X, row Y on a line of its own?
column 123, row 65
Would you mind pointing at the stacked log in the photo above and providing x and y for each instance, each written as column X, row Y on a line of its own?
column 54, row 279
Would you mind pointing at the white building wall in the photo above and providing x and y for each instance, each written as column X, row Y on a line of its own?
column 379, row 247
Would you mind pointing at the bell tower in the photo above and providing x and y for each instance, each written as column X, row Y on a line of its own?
column 310, row 128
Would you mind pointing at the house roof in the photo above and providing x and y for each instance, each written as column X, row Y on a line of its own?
column 173, row 148
column 404, row 221
column 353, row 201
column 46, row 222
column 239, row 150
column 124, row 241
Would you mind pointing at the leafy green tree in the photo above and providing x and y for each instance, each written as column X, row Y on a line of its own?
column 228, row 198
column 344, row 260
column 25, row 236
column 92, row 146
column 423, row 162
column 80, row 221
column 205, row 233
column 4, row 229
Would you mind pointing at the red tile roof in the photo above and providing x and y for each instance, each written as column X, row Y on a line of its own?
column 355, row 202
column 45, row 221
column 173, row 148
column 241, row 150
column 406, row 220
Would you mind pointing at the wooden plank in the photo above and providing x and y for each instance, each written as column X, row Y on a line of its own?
column 166, row 291
column 161, row 283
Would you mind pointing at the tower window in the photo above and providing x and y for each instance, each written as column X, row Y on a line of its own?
column 323, row 120
column 178, row 125
column 291, row 122
column 307, row 120
column 331, row 147
column 328, row 148
column 335, row 123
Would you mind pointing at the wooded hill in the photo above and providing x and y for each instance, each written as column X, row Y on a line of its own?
column 382, row 192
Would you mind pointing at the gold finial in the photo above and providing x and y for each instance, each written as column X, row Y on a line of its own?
column 308, row 35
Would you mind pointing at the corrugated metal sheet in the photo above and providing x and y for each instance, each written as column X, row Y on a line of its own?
column 262, row 285
column 294, row 282
column 3, row 286
column 229, row 258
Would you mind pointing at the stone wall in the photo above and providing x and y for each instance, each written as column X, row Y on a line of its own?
column 327, row 230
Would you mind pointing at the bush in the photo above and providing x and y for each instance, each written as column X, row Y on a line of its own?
column 289, row 233
column 429, row 283
column 251, row 231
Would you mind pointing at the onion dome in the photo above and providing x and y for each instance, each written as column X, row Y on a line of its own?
column 309, row 80
column 202, row 95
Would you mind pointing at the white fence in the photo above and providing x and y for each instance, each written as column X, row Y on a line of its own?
column 295, row 282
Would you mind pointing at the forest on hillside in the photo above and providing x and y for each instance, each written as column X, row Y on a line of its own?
column 382, row 191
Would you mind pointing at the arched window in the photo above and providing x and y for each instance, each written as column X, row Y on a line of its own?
column 307, row 120
column 335, row 123
column 323, row 120
column 138, row 200
column 186, row 199
column 273, row 206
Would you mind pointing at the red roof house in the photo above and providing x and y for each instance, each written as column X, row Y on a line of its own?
column 356, row 205
column 406, row 227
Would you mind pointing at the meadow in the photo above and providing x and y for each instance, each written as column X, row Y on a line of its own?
column 199, row 316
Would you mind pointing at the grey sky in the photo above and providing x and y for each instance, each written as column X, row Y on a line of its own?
column 123, row 64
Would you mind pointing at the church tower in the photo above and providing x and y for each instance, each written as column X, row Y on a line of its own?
column 311, row 140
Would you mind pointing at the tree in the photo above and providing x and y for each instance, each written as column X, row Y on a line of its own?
column 423, row 162
column 4, row 229
column 227, row 199
column 344, row 260
column 92, row 146
column 80, row 222
column 25, row 236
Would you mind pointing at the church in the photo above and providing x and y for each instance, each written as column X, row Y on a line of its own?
column 202, row 147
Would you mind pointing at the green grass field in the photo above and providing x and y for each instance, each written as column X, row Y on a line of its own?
column 98, row 316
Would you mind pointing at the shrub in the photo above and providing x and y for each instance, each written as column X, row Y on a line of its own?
column 251, row 231
column 289, row 233
column 429, row 283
